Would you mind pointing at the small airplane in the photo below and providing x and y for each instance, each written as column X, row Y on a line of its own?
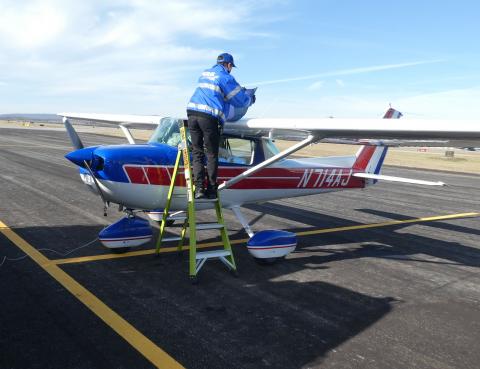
column 251, row 167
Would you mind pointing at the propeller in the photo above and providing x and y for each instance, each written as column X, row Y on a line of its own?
column 76, row 142
column 79, row 156
column 105, row 202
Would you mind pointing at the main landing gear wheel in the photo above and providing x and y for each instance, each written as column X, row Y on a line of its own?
column 120, row 250
column 268, row 261
column 194, row 279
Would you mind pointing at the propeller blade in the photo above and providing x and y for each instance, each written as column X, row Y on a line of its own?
column 76, row 142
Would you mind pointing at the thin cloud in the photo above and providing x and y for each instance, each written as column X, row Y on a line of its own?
column 115, row 55
column 344, row 72
column 447, row 104
column 316, row 85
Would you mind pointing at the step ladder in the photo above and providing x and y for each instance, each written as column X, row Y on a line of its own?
column 196, row 259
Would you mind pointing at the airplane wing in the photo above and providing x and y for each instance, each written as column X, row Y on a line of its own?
column 137, row 121
column 388, row 142
column 124, row 121
column 407, row 132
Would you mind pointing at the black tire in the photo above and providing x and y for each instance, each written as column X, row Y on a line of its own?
column 193, row 279
column 120, row 250
column 266, row 261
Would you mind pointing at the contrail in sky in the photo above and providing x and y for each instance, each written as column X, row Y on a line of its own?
column 344, row 72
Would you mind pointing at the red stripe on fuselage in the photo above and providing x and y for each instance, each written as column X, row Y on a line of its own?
column 158, row 175
column 267, row 178
column 136, row 174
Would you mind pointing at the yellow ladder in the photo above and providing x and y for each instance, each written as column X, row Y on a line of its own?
column 196, row 259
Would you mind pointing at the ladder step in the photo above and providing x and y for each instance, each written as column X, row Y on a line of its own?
column 203, row 226
column 212, row 254
column 177, row 217
column 169, row 239
column 206, row 200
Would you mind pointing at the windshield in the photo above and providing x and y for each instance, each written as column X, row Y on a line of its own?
column 167, row 132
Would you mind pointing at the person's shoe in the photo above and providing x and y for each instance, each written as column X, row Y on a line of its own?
column 211, row 193
column 200, row 194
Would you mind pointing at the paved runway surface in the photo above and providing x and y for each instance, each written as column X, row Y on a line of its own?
column 392, row 296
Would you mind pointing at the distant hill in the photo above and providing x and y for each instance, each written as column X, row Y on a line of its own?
column 52, row 118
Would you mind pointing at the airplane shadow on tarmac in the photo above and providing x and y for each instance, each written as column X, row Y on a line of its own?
column 380, row 242
column 281, row 316
column 266, row 318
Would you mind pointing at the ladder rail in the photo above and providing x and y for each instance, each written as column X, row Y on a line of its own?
column 196, row 259
column 167, row 205
column 223, row 231
column 192, row 226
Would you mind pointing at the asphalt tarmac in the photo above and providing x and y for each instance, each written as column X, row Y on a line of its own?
column 381, row 278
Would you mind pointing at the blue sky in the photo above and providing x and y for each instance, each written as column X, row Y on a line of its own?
column 308, row 58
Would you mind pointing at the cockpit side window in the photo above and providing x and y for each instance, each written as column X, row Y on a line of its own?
column 236, row 150
column 233, row 150
column 269, row 148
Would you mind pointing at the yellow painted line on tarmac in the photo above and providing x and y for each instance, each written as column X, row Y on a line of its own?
column 389, row 223
column 85, row 259
column 142, row 344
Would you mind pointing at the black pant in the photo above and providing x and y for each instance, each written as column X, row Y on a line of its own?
column 204, row 130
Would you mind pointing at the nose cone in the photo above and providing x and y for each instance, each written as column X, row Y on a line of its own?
column 79, row 156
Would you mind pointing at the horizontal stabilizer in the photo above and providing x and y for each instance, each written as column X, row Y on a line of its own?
column 397, row 179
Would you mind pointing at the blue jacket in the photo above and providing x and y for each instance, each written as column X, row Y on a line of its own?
column 216, row 91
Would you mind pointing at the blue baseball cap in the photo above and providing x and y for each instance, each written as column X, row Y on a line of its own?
column 225, row 58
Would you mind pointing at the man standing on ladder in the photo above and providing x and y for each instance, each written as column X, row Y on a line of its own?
column 207, row 111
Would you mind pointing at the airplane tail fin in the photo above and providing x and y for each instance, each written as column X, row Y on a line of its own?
column 391, row 113
column 370, row 158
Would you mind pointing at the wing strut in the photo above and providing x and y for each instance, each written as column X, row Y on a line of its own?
column 310, row 139
column 127, row 134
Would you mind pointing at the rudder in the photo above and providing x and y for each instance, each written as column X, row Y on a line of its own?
column 370, row 158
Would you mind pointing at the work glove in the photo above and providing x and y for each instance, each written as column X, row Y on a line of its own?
column 253, row 100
